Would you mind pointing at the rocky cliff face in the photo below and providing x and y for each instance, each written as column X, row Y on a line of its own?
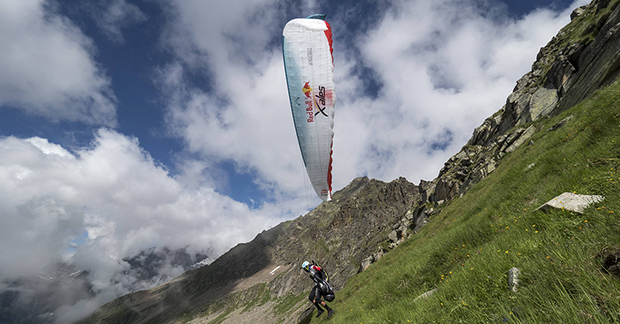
column 584, row 56
column 368, row 218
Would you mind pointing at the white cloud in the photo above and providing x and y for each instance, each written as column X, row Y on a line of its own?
column 48, row 67
column 444, row 66
column 116, row 15
column 246, row 117
column 113, row 191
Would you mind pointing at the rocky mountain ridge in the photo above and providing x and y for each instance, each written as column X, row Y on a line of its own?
column 584, row 56
column 338, row 234
column 368, row 218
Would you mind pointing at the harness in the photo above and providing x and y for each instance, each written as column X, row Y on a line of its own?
column 321, row 280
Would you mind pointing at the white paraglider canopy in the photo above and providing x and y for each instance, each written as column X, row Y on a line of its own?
column 308, row 61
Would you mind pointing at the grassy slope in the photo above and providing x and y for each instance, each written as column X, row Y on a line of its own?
column 467, row 250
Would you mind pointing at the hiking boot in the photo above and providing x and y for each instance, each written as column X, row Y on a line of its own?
column 319, row 313
column 330, row 312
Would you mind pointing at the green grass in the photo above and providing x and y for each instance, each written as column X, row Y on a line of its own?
column 466, row 250
column 262, row 296
column 287, row 302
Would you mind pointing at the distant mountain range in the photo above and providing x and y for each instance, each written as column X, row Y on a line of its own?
column 35, row 299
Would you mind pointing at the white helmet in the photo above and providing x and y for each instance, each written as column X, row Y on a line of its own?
column 305, row 265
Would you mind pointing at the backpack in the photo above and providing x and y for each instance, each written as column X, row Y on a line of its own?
column 327, row 291
column 326, row 288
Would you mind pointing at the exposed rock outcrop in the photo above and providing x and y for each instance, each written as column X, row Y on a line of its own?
column 611, row 262
column 560, row 124
column 513, row 279
column 583, row 57
column 571, row 202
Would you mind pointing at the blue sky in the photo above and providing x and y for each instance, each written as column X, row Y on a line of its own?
column 127, row 124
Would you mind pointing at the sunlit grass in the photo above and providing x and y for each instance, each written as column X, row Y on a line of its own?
column 466, row 250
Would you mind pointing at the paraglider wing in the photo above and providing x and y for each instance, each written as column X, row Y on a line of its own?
column 309, row 65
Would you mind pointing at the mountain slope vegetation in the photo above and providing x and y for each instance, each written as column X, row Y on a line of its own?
column 467, row 250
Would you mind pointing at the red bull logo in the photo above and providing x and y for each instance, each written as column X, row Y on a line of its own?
column 307, row 90
column 319, row 101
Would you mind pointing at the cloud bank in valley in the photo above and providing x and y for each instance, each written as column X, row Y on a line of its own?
column 113, row 198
